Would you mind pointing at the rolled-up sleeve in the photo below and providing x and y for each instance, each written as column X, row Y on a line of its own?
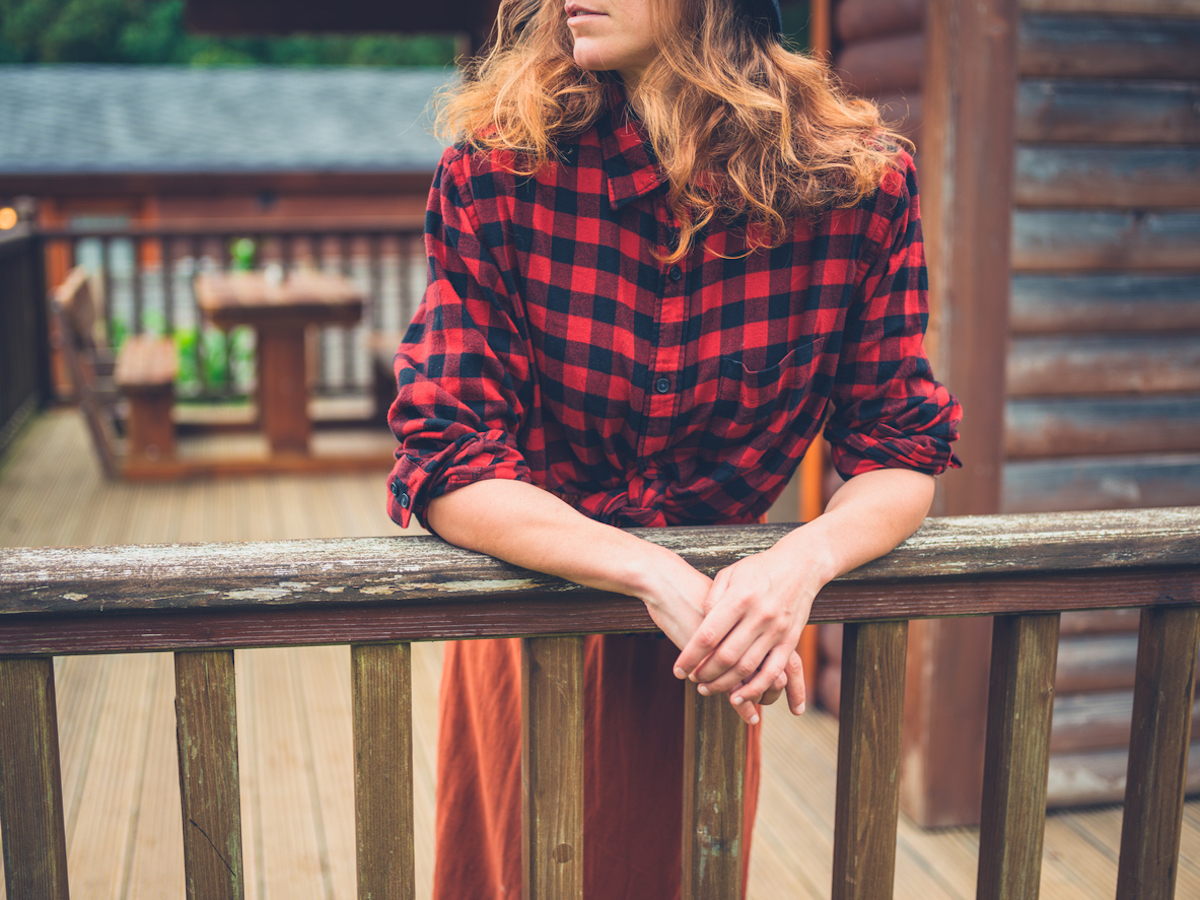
column 888, row 411
column 462, row 370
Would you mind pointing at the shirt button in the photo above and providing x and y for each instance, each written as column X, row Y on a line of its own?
column 404, row 501
column 395, row 487
column 676, row 273
column 662, row 385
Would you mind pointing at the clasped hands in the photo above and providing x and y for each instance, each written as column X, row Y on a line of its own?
column 745, row 644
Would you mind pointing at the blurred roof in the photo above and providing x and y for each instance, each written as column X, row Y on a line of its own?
column 88, row 119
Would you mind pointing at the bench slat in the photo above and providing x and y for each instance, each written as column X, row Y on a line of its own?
column 868, row 772
column 206, row 729
column 381, row 675
column 1017, row 756
column 714, row 765
column 31, row 804
column 552, row 767
column 1161, row 729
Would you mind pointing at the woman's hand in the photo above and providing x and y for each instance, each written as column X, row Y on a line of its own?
column 758, row 606
column 747, row 643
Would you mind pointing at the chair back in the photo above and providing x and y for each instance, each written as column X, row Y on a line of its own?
column 88, row 363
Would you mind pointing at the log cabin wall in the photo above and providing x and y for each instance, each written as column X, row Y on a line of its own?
column 1103, row 373
column 1101, row 399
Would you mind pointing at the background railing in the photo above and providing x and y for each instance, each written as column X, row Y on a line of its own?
column 24, row 356
column 201, row 601
column 146, row 274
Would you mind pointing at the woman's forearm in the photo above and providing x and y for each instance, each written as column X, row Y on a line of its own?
column 529, row 527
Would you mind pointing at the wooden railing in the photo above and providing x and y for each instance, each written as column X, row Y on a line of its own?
column 202, row 601
column 24, row 358
column 146, row 274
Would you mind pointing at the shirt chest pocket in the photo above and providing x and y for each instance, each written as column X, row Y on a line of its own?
column 759, row 403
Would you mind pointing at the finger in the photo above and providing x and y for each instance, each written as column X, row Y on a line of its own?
column 773, row 667
column 749, row 713
column 728, row 667
column 796, row 689
column 711, row 633
column 774, row 692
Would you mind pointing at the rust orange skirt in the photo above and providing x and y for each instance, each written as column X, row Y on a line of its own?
column 633, row 764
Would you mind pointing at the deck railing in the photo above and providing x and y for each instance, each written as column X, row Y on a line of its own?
column 146, row 274
column 24, row 357
column 202, row 601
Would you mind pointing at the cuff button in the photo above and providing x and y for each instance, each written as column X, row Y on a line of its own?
column 404, row 501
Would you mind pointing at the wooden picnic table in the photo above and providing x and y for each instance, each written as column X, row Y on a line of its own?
column 280, row 311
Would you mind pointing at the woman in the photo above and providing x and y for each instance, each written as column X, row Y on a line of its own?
column 664, row 252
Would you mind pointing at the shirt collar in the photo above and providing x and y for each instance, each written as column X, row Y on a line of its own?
column 631, row 168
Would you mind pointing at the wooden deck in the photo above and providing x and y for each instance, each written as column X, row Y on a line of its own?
column 117, row 720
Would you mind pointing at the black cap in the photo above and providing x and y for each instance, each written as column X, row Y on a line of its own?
column 768, row 11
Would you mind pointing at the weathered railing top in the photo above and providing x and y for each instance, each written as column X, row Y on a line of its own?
column 331, row 591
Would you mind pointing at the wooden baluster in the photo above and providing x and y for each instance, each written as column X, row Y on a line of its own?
column 1158, row 749
column 206, row 729
column 31, row 804
column 868, row 771
column 138, row 325
column 714, row 763
column 1017, row 758
column 552, row 768
column 381, row 675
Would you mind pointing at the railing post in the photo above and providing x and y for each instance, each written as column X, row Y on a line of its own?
column 381, row 675
column 714, row 762
column 552, row 768
column 870, row 722
column 206, row 726
column 1158, row 750
column 31, row 806
column 1017, row 757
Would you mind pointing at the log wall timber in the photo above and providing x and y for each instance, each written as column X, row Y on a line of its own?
column 1122, row 177
column 1054, row 46
column 1108, row 111
column 1168, row 8
column 1094, row 303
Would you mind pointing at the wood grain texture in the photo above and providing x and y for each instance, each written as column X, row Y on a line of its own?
column 391, row 572
column 1158, row 752
column 1111, row 483
column 714, row 762
column 552, row 768
column 1108, row 111
column 206, row 726
column 884, row 65
column 1015, row 768
column 858, row 20
column 868, row 772
column 1181, row 8
column 1096, row 303
column 31, row 797
column 1085, row 426
column 576, row 614
column 1053, row 46
column 1099, row 240
column 1107, row 177
column 381, row 684
column 1098, row 365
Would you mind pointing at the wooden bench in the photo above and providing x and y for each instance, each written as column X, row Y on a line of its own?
column 142, row 375
column 378, row 594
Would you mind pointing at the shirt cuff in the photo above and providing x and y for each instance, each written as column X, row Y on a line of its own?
column 418, row 478
column 886, row 448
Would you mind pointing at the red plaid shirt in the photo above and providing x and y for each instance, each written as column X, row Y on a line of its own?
column 554, row 346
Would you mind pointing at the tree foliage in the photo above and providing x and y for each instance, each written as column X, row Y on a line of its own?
column 152, row 32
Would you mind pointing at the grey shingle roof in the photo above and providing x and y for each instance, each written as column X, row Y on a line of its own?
column 121, row 119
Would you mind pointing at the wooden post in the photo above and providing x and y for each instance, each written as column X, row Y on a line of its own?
column 31, row 804
column 714, row 763
column 966, row 202
column 870, row 723
column 552, row 768
column 381, row 675
column 1158, row 751
column 1017, row 760
column 206, row 727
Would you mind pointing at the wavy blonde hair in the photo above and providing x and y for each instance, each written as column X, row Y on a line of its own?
column 743, row 127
